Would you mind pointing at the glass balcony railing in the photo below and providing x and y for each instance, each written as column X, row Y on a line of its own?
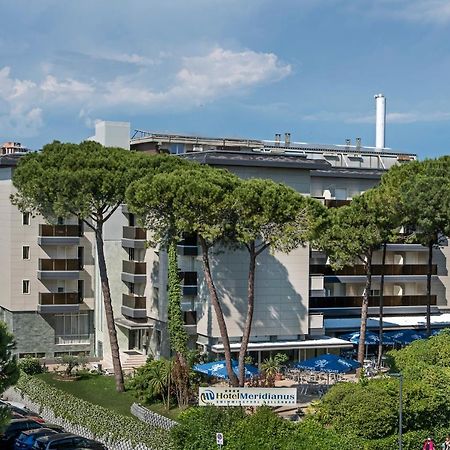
column 46, row 230
column 389, row 269
column 134, row 267
column 374, row 301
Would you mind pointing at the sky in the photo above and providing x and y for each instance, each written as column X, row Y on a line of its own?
column 227, row 68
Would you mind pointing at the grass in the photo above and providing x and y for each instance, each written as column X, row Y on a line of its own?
column 101, row 390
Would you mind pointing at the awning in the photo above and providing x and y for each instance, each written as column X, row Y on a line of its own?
column 133, row 325
column 393, row 322
column 322, row 342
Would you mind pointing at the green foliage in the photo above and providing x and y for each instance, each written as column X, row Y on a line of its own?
column 9, row 371
column 270, row 367
column 70, row 362
column 30, row 366
column 198, row 427
column 151, row 381
column 365, row 410
column 263, row 430
column 102, row 422
column 177, row 332
column 272, row 214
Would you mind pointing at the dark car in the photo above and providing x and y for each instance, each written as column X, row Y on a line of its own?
column 17, row 412
column 27, row 438
column 14, row 429
column 66, row 441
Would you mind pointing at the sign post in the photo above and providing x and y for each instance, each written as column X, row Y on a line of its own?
column 219, row 439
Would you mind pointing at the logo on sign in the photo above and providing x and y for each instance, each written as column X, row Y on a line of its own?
column 207, row 396
column 219, row 438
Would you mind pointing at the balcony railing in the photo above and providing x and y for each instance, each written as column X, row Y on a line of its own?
column 135, row 233
column 134, row 302
column 389, row 269
column 187, row 250
column 134, row 267
column 189, row 289
column 59, row 264
column 374, row 301
column 59, row 298
column 46, row 230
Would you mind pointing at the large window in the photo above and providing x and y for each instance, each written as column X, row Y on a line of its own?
column 72, row 328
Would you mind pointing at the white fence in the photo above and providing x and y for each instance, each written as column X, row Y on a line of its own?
column 151, row 418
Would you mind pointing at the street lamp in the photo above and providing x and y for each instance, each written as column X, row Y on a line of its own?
column 400, row 408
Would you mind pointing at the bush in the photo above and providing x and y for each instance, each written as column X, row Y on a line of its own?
column 367, row 410
column 102, row 422
column 198, row 427
column 263, row 430
column 30, row 366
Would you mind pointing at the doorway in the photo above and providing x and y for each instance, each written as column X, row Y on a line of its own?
column 137, row 340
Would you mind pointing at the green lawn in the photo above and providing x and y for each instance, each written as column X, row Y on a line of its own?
column 101, row 390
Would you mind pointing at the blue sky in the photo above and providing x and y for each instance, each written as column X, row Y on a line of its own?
column 247, row 68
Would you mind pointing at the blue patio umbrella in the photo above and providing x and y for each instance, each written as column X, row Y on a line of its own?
column 328, row 364
column 405, row 337
column 371, row 338
column 219, row 369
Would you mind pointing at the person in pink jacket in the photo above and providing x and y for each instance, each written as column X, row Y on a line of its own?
column 429, row 445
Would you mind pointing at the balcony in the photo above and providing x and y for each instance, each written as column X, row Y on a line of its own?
column 59, row 269
column 134, row 272
column 59, row 234
column 187, row 250
column 61, row 302
column 134, row 237
column 374, row 301
column 389, row 269
column 134, row 306
column 190, row 322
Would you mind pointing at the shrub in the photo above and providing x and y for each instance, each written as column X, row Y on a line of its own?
column 198, row 427
column 366, row 410
column 100, row 421
column 263, row 430
column 30, row 366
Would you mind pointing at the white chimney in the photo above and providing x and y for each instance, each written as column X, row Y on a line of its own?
column 380, row 105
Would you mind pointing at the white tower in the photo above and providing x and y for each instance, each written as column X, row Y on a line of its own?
column 380, row 104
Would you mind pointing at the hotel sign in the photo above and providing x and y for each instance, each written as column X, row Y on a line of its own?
column 246, row 396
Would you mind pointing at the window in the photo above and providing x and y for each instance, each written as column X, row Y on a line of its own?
column 25, row 286
column 25, row 252
column 72, row 328
column 130, row 254
column 26, row 218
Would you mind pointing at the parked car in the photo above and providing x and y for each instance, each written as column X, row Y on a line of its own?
column 21, row 411
column 27, row 438
column 66, row 441
column 14, row 429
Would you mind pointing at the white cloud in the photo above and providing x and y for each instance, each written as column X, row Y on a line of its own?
column 197, row 80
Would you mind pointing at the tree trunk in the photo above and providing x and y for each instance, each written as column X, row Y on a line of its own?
column 219, row 313
column 118, row 375
column 380, row 331
column 364, row 309
column 430, row 269
column 250, row 309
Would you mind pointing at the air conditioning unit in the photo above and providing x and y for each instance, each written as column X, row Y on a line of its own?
column 197, row 148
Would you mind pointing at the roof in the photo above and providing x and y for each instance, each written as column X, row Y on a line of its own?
column 337, row 172
column 319, row 342
column 255, row 159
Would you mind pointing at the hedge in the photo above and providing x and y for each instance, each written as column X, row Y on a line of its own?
column 100, row 421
